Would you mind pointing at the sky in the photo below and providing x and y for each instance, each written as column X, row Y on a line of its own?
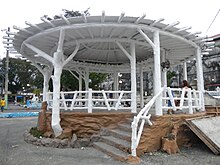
column 195, row 13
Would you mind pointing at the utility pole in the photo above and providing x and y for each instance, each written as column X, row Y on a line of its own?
column 6, row 73
column 213, row 20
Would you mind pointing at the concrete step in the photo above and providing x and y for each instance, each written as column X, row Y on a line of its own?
column 123, row 145
column 111, row 151
column 125, row 127
column 124, row 135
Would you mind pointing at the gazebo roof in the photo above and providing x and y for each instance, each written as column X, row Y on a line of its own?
column 98, row 37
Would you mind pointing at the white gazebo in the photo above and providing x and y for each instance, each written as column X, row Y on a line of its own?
column 108, row 44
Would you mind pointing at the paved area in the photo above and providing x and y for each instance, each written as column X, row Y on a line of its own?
column 15, row 151
column 16, row 108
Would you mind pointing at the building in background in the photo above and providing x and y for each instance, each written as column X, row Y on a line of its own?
column 211, row 67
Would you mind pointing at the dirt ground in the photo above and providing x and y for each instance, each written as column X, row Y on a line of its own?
column 198, row 154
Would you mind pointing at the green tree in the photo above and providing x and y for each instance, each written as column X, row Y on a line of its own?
column 22, row 73
column 169, row 76
column 69, row 14
column 68, row 81
column 96, row 80
column 37, row 92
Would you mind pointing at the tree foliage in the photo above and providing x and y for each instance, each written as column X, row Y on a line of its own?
column 68, row 81
column 20, row 74
column 96, row 80
column 170, row 75
column 68, row 14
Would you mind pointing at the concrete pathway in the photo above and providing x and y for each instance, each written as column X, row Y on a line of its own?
column 15, row 151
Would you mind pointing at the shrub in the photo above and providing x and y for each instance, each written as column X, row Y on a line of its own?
column 35, row 132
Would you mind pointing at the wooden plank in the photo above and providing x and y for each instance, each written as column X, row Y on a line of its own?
column 207, row 129
column 206, row 138
column 214, row 150
column 210, row 127
column 199, row 117
column 214, row 113
column 213, row 110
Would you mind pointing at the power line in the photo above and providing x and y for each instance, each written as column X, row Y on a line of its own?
column 213, row 20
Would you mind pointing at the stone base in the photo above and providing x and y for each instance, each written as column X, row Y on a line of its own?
column 169, row 146
column 85, row 124
column 162, row 126
column 133, row 160
column 74, row 142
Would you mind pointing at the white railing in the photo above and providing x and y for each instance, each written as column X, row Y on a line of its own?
column 142, row 115
column 179, row 99
column 91, row 99
column 187, row 100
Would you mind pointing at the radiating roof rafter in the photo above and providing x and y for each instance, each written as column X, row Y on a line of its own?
column 105, row 39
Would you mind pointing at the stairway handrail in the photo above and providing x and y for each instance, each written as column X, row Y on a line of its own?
column 136, row 135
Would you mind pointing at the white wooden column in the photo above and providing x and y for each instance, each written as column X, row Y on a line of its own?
column 46, row 72
column 157, row 74
column 80, row 88
column 200, row 80
column 115, row 85
column 55, row 123
column 58, row 61
column 164, row 83
column 80, row 82
column 115, row 81
column 164, row 71
column 133, row 79
column 47, row 75
column 87, row 95
column 184, row 71
column 164, row 78
column 157, row 71
column 141, row 87
column 164, row 75
column 132, row 58
column 46, row 86
column 87, row 80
